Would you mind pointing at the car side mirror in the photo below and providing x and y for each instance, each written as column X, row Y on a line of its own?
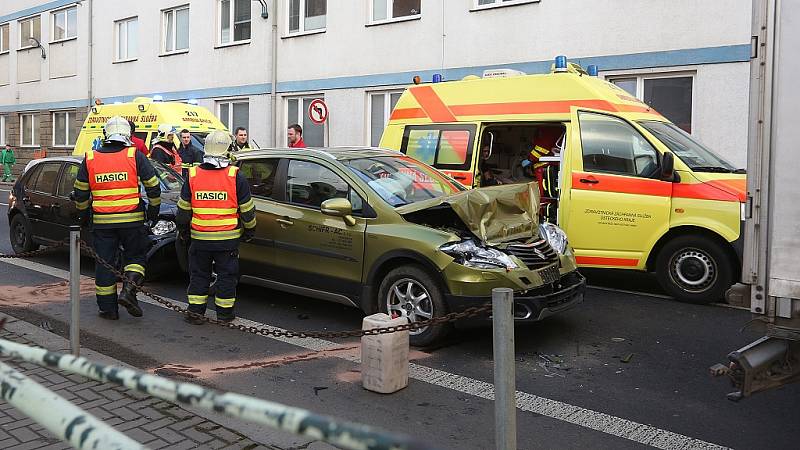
column 339, row 207
column 668, row 167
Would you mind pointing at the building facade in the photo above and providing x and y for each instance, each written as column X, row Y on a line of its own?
column 259, row 64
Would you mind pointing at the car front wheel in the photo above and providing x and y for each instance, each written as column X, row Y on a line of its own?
column 694, row 269
column 409, row 292
column 20, row 235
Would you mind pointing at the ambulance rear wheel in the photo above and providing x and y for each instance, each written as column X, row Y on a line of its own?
column 694, row 269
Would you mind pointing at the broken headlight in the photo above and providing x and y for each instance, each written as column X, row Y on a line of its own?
column 163, row 227
column 469, row 254
column 555, row 237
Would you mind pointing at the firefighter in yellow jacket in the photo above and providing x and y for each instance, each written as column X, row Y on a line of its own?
column 215, row 211
column 107, row 189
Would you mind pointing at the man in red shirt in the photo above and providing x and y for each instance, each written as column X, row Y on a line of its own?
column 138, row 143
column 295, row 135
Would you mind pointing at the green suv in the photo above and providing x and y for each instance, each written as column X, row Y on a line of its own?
column 380, row 231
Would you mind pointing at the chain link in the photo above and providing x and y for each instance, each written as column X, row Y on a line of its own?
column 38, row 252
column 266, row 331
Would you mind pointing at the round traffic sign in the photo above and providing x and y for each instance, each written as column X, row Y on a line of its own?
column 318, row 111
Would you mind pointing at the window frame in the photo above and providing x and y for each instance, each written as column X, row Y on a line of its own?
column 635, row 128
column 3, row 136
column 301, row 31
column 53, row 16
column 30, row 19
column 500, row 4
column 64, row 170
column 232, row 25
column 230, row 102
column 118, row 35
column 640, row 78
column 70, row 115
column 472, row 129
column 302, row 115
column 33, row 130
column 389, row 18
column 164, row 38
column 5, row 42
column 387, row 109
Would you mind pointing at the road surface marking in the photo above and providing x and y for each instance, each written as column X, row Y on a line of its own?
column 583, row 417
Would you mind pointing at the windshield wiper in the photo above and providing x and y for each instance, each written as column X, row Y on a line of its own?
column 740, row 171
column 715, row 169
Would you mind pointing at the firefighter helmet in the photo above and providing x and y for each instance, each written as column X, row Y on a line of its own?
column 217, row 148
column 117, row 129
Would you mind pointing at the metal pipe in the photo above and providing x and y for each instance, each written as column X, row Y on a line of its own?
column 60, row 417
column 274, row 89
column 91, row 52
column 345, row 435
column 75, row 289
column 505, row 403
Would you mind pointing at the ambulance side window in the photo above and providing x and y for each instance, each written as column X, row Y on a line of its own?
column 611, row 145
column 442, row 146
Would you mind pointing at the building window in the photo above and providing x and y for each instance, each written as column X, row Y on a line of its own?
column 234, row 19
column 381, row 105
column 65, row 129
column 127, row 40
column 28, row 130
column 2, row 130
column 176, row 29
column 4, row 29
column 487, row 4
column 392, row 9
column 65, row 24
column 307, row 15
column 297, row 112
column 234, row 114
column 30, row 28
column 669, row 95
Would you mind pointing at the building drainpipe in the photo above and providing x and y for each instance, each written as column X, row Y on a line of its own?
column 273, row 91
column 89, row 75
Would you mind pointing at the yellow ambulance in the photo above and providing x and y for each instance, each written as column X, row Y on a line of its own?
column 631, row 189
column 147, row 114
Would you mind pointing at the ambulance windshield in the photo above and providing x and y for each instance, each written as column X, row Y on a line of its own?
column 691, row 152
column 401, row 180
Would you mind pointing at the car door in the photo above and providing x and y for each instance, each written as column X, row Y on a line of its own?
column 618, row 204
column 41, row 200
column 64, row 211
column 258, row 256
column 312, row 249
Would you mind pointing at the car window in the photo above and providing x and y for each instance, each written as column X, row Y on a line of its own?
column 310, row 184
column 30, row 177
column 441, row 146
column 170, row 180
column 48, row 175
column 260, row 174
column 611, row 145
column 67, row 182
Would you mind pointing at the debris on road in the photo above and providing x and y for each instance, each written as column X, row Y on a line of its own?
column 627, row 358
column 617, row 339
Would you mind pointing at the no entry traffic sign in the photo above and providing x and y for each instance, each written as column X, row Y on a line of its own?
column 318, row 111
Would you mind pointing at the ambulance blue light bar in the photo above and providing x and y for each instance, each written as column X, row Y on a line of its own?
column 158, row 98
column 437, row 78
column 591, row 69
column 561, row 63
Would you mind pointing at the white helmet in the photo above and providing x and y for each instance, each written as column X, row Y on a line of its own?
column 117, row 129
column 217, row 148
column 164, row 131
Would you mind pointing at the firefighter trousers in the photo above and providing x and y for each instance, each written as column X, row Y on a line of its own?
column 107, row 242
column 205, row 258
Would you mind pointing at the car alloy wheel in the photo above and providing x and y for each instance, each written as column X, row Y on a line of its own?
column 408, row 298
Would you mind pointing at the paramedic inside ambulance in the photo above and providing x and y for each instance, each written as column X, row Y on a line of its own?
column 547, row 142
column 487, row 175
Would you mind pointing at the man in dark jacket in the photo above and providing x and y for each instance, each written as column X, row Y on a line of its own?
column 191, row 156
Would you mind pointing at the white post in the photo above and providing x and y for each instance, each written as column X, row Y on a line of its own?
column 505, row 403
column 75, row 289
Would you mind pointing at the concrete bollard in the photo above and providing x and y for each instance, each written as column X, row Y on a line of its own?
column 384, row 357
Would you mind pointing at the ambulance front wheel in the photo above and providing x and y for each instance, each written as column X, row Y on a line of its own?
column 694, row 269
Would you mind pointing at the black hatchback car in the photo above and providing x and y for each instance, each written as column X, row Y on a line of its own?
column 40, row 211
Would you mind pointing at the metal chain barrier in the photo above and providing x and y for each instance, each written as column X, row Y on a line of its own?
column 451, row 317
column 38, row 252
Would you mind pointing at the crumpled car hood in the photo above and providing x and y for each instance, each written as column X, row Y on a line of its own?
column 494, row 214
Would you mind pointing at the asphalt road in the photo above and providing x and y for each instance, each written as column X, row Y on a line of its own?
column 577, row 391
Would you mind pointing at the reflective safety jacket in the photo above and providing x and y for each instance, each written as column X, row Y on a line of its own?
column 108, row 181
column 537, row 153
column 216, row 204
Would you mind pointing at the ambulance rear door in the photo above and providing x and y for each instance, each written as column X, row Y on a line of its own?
column 618, row 204
column 448, row 147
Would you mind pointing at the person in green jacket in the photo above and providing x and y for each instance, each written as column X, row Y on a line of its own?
column 7, row 159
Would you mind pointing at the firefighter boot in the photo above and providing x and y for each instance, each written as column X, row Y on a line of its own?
column 200, row 310
column 225, row 314
column 127, row 297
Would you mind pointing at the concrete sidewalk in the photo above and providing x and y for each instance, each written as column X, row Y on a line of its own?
column 153, row 422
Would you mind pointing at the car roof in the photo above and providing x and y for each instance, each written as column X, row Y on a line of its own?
column 332, row 153
column 67, row 158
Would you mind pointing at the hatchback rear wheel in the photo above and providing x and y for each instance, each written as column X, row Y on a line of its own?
column 409, row 292
column 20, row 235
